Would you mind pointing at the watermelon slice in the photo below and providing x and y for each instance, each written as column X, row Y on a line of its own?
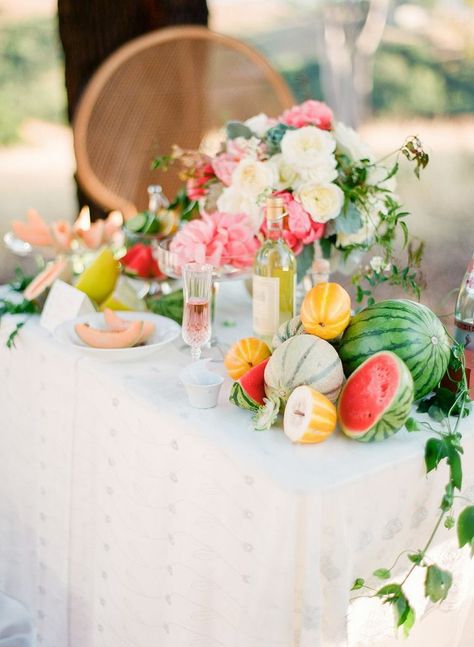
column 377, row 398
column 249, row 391
column 139, row 261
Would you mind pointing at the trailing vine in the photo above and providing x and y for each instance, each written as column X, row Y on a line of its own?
column 449, row 403
column 17, row 306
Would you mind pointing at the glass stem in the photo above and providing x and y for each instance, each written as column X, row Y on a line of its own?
column 195, row 352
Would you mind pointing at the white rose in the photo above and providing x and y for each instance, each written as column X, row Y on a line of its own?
column 306, row 146
column 287, row 176
column 231, row 201
column 259, row 124
column 251, row 177
column 321, row 172
column 322, row 201
column 350, row 143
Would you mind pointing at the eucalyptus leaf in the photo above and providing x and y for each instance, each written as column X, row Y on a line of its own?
column 437, row 583
column 349, row 221
column 236, row 129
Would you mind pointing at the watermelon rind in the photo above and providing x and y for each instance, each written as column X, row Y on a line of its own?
column 241, row 399
column 288, row 329
column 394, row 416
column 409, row 329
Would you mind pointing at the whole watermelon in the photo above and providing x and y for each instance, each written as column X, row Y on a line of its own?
column 408, row 329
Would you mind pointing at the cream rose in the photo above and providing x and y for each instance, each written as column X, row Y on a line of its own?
column 321, row 172
column 285, row 172
column 307, row 146
column 350, row 143
column 251, row 177
column 323, row 202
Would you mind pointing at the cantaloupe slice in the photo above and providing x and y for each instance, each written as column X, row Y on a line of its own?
column 35, row 231
column 309, row 416
column 62, row 233
column 117, row 324
column 109, row 338
column 44, row 280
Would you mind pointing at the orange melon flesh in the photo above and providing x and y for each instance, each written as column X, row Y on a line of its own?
column 375, row 387
column 109, row 338
column 45, row 279
column 117, row 324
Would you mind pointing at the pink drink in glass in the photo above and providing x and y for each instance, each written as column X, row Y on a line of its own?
column 196, row 322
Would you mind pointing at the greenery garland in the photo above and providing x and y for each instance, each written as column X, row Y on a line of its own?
column 443, row 406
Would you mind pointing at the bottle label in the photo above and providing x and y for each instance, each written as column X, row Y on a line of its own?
column 464, row 333
column 266, row 305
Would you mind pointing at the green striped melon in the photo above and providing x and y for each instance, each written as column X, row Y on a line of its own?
column 409, row 329
column 304, row 359
column 287, row 330
column 376, row 400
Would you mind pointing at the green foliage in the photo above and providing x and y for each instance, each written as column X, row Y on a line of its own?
column 236, row 129
column 437, row 583
column 31, row 83
column 274, row 136
column 446, row 446
column 466, row 528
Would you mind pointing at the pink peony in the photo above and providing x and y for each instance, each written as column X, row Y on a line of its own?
column 309, row 113
column 219, row 239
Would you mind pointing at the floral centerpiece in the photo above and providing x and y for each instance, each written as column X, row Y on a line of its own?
column 334, row 190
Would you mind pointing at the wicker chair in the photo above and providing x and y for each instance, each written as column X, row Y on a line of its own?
column 172, row 86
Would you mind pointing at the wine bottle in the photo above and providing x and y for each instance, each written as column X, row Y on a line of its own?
column 464, row 321
column 274, row 276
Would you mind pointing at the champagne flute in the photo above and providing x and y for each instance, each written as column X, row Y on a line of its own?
column 197, row 286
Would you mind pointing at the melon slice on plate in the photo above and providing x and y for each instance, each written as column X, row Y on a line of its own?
column 310, row 417
column 110, row 338
column 117, row 324
column 376, row 400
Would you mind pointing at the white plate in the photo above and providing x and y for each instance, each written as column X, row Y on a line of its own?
column 166, row 331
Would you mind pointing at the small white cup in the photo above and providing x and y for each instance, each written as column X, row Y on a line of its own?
column 202, row 385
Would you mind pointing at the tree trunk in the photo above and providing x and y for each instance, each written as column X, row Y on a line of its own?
column 91, row 30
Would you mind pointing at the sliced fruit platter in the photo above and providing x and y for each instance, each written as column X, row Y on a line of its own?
column 118, row 336
column 327, row 369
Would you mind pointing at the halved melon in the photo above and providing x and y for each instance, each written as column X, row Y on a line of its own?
column 376, row 400
column 310, row 417
column 109, row 338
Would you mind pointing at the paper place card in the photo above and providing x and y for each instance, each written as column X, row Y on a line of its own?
column 64, row 302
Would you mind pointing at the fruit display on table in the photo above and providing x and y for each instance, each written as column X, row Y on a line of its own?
column 392, row 353
column 118, row 332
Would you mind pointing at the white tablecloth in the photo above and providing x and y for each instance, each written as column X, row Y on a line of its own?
column 129, row 519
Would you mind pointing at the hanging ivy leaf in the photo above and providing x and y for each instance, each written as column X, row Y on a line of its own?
column 466, row 528
column 437, row 583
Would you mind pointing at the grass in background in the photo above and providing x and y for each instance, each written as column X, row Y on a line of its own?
column 31, row 76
